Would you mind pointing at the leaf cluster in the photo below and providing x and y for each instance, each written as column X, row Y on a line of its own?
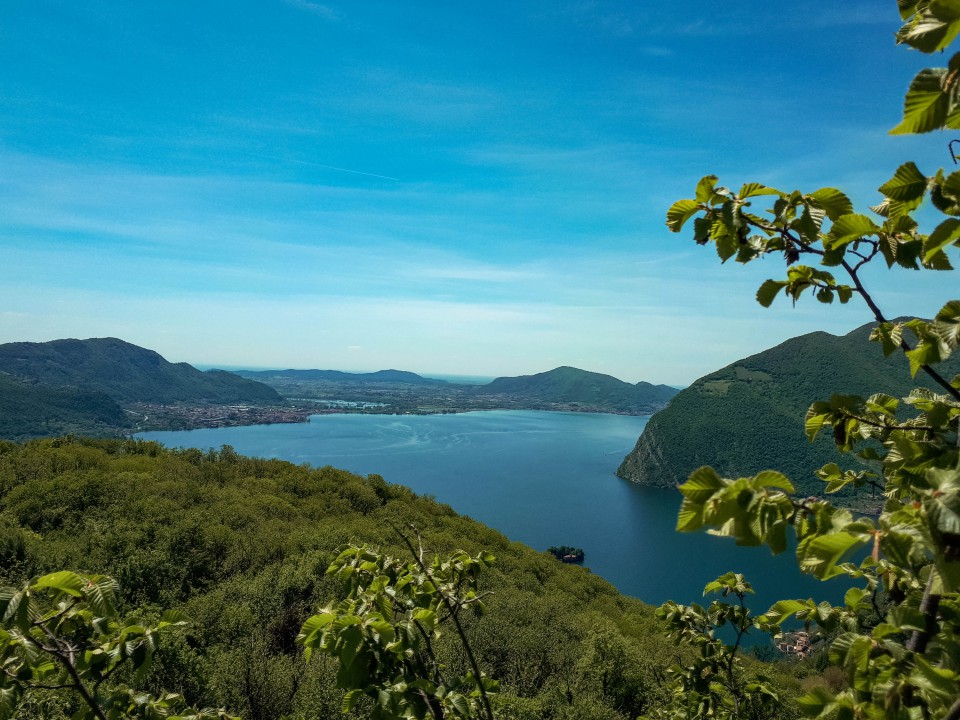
column 61, row 632
column 715, row 683
column 385, row 631
column 896, row 637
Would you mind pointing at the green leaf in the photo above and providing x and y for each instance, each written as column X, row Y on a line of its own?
column 772, row 478
column 460, row 704
column 817, row 702
column 926, row 104
column 680, row 212
column 753, row 189
column 907, row 8
column 64, row 581
column 102, row 595
column 350, row 641
column 174, row 617
column 943, row 506
column 784, row 609
column 848, row 228
column 835, row 203
column 820, row 555
column 350, row 700
column 9, row 699
column 890, row 335
column 946, row 233
column 705, row 188
column 818, row 415
column 934, row 28
column 310, row 631
column 950, row 185
column 938, row 681
column 883, row 404
column 768, row 291
column 702, row 484
column 946, row 325
column 907, row 186
column 426, row 617
column 925, row 353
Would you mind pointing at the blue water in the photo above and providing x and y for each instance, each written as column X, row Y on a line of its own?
column 540, row 478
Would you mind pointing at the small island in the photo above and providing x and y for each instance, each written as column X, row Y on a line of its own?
column 567, row 554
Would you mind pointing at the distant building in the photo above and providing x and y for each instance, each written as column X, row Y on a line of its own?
column 797, row 643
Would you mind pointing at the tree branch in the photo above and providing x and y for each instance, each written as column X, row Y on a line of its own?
column 929, row 606
column 475, row 667
column 904, row 345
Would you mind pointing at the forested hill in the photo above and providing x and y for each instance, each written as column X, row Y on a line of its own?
column 582, row 388
column 81, row 386
column 31, row 410
column 749, row 416
column 241, row 545
column 125, row 372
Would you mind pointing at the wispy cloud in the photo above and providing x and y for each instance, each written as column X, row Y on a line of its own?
column 774, row 18
column 475, row 273
column 323, row 11
column 420, row 98
column 327, row 167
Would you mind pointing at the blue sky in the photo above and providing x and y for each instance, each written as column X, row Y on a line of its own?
column 439, row 187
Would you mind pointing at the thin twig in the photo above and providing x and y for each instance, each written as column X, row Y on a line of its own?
column 456, row 623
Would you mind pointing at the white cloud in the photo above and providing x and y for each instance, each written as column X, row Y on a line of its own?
column 323, row 11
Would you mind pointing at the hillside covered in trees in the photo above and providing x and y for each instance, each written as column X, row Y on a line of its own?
column 241, row 545
column 100, row 385
column 586, row 389
column 749, row 416
column 126, row 372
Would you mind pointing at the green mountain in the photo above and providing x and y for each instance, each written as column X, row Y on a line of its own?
column 582, row 389
column 749, row 416
column 125, row 372
column 83, row 386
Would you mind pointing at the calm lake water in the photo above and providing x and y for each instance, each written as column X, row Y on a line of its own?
column 541, row 478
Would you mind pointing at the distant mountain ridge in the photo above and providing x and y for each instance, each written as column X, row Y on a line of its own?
column 81, row 385
column 581, row 387
column 563, row 388
column 101, row 385
column 380, row 376
column 749, row 416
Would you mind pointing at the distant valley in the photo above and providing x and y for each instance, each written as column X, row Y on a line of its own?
column 563, row 389
column 105, row 386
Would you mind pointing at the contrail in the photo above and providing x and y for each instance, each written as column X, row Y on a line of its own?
column 328, row 167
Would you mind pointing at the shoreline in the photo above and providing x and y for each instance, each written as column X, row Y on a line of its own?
column 198, row 418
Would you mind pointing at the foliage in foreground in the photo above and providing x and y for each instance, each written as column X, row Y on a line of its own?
column 385, row 631
column 61, row 632
column 241, row 546
column 896, row 638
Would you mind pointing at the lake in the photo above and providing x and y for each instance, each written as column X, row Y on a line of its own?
column 541, row 478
